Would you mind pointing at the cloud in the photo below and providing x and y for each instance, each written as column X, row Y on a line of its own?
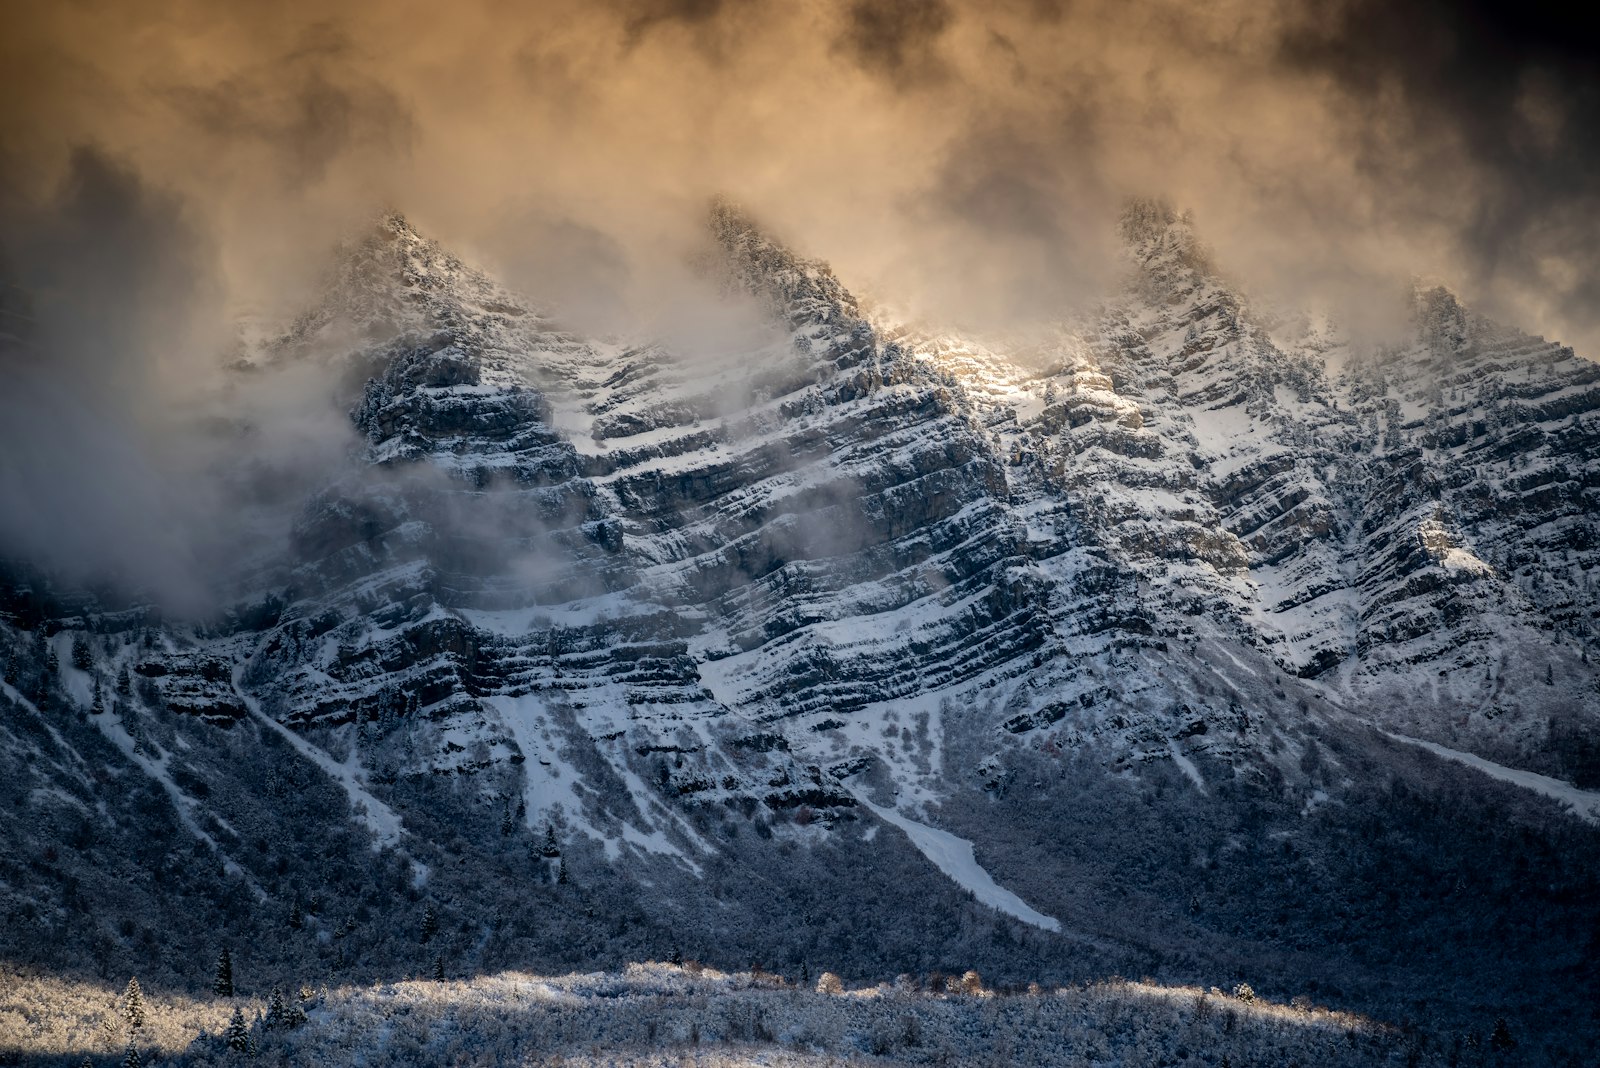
column 169, row 163
column 896, row 39
column 1477, row 119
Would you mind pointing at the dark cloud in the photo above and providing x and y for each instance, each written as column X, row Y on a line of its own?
column 958, row 158
column 1484, row 116
column 303, row 109
column 115, row 275
column 714, row 26
column 896, row 39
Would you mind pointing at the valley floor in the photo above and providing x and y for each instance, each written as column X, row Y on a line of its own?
column 663, row 1014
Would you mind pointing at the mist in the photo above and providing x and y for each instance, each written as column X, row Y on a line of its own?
column 169, row 166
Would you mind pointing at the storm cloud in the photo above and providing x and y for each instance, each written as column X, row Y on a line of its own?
column 168, row 164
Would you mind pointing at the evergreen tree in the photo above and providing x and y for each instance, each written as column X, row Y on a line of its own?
column 438, row 969
column 131, row 1059
column 223, row 987
column 82, row 657
column 507, row 824
column 99, row 704
column 52, row 666
column 133, row 1005
column 430, row 924
column 277, row 1014
column 124, row 682
column 1500, row 1039
column 561, row 874
column 238, row 1034
column 296, row 920
column 551, row 849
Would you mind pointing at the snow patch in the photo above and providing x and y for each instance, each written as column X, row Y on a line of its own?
column 953, row 856
column 1585, row 804
column 379, row 817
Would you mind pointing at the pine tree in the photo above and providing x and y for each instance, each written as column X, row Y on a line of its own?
column 133, row 1005
column 430, row 924
column 1500, row 1039
column 438, row 969
column 551, row 849
column 82, row 657
column 223, row 987
column 296, row 920
column 124, row 682
column 507, row 824
column 131, row 1059
column 277, row 1014
column 99, row 704
column 238, row 1034
column 561, row 874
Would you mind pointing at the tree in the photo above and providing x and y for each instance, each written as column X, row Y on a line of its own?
column 277, row 1015
column 296, row 920
column 238, row 1034
column 99, row 704
column 561, row 873
column 1500, row 1039
column 133, row 1005
column 438, row 969
column 830, row 984
column 124, row 682
column 430, row 924
column 82, row 657
column 223, row 986
column 551, row 849
column 131, row 1059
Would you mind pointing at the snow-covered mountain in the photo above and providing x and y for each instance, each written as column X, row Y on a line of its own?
column 876, row 606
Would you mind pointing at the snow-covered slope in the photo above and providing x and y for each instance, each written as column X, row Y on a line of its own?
column 642, row 602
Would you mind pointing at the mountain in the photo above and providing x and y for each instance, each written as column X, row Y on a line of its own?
column 869, row 649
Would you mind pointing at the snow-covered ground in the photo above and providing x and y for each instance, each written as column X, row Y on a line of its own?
column 1585, row 804
column 953, row 856
column 662, row 1014
column 380, row 819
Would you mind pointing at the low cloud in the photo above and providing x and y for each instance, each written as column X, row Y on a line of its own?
column 168, row 164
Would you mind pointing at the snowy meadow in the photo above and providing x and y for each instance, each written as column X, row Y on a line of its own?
column 664, row 1014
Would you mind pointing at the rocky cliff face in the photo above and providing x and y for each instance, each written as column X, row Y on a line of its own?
column 769, row 570
column 633, row 593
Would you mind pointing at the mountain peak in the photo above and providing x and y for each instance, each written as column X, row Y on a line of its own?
column 799, row 290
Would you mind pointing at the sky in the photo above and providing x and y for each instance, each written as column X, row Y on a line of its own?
column 166, row 165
